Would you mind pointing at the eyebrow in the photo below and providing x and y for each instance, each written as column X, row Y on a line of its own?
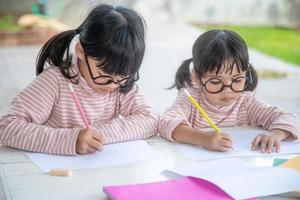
column 218, row 76
column 238, row 74
column 122, row 78
column 101, row 74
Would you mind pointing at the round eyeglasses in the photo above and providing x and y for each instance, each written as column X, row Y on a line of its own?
column 216, row 85
column 106, row 80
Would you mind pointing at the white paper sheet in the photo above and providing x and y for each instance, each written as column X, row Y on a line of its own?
column 241, row 147
column 242, row 180
column 112, row 154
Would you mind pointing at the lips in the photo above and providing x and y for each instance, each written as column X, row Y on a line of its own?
column 226, row 99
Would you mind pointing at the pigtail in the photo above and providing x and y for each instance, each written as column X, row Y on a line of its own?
column 183, row 75
column 252, row 78
column 53, row 52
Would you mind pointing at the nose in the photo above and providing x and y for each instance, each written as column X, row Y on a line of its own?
column 227, row 86
column 227, row 89
column 113, row 86
column 227, row 82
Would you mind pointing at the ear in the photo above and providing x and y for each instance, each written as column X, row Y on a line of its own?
column 195, row 79
column 79, row 51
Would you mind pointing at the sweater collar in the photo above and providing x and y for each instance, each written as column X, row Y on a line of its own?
column 214, row 108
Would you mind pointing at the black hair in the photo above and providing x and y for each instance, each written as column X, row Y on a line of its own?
column 114, row 35
column 211, row 51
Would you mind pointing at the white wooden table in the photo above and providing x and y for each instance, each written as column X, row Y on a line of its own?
column 21, row 179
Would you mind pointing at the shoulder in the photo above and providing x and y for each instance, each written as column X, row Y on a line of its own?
column 246, row 97
column 183, row 94
column 51, row 72
column 53, row 76
column 49, row 79
column 44, row 86
column 191, row 90
column 248, row 100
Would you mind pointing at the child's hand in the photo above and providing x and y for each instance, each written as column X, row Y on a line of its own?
column 267, row 142
column 88, row 141
column 218, row 142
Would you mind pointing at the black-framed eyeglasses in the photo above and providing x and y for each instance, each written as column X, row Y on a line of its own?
column 106, row 80
column 216, row 85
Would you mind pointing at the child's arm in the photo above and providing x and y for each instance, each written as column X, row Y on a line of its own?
column 175, row 126
column 209, row 140
column 281, row 125
column 178, row 113
column 22, row 127
column 137, row 121
column 272, row 118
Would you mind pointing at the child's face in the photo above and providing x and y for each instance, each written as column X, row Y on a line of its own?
column 99, row 80
column 94, row 76
column 224, row 88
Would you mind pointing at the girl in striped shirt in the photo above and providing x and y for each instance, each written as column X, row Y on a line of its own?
column 221, row 79
column 101, row 59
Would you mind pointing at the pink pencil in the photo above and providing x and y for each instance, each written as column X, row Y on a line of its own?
column 79, row 106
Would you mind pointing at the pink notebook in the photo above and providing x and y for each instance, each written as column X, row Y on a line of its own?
column 175, row 189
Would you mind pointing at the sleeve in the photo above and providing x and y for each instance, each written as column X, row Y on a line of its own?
column 23, row 126
column 137, row 119
column 269, row 117
column 178, row 113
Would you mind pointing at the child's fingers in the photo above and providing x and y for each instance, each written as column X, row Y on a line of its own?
column 91, row 149
column 255, row 142
column 224, row 148
column 226, row 136
column 97, row 136
column 263, row 143
column 226, row 143
column 277, row 145
column 270, row 145
column 86, row 143
column 85, row 149
column 96, row 144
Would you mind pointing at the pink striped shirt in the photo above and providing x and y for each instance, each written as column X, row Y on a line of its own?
column 247, row 110
column 44, row 118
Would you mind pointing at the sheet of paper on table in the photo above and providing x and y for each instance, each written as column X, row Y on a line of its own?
column 241, row 147
column 112, row 154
